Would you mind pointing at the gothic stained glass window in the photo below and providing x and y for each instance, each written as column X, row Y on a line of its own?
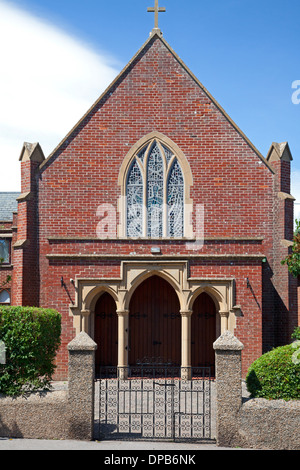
column 134, row 201
column 175, row 195
column 155, row 194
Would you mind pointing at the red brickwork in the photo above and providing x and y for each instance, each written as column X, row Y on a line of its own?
column 238, row 191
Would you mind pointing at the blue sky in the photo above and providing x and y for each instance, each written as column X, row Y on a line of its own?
column 245, row 52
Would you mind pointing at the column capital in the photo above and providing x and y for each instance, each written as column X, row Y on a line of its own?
column 122, row 313
column 224, row 313
column 186, row 313
column 85, row 313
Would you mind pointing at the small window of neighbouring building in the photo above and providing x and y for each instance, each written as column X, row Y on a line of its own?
column 4, row 297
column 4, row 251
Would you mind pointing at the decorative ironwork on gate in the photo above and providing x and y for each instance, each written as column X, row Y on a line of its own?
column 153, row 402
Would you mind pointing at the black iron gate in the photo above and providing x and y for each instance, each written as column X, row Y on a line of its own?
column 153, row 402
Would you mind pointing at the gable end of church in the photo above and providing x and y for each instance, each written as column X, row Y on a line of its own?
column 157, row 214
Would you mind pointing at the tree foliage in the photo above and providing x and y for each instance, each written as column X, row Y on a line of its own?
column 293, row 259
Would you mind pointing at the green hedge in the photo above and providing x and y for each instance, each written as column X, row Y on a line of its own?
column 276, row 374
column 32, row 338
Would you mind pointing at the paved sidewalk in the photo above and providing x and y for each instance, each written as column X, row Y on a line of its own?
column 36, row 444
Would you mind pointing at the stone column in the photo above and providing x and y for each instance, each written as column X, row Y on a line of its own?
column 81, row 387
column 186, row 370
column 123, row 343
column 85, row 320
column 228, row 351
column 224, row 321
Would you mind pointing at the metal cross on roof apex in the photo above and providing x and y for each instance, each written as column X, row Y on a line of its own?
column 156, row 10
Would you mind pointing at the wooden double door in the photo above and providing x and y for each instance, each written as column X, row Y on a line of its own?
column 154, row 327
column 155, row 323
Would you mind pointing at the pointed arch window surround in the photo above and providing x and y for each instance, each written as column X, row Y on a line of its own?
column 155, row 193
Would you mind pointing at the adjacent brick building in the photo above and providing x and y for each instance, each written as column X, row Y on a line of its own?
column 156, row 224
column 8, row 237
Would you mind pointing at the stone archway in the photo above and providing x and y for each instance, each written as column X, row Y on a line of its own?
column 176, row 274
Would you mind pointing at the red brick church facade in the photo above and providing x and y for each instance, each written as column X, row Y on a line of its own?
column 153, row 263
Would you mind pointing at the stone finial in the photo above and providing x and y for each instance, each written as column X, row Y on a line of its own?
column 82, row 342
column 279, row 151
column 32, row 152
column 227, row 341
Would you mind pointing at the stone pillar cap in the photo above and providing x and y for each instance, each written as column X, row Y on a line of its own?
column 227, row 341
column 82, row 342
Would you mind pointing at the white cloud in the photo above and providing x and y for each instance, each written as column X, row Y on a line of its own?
column 48, row 80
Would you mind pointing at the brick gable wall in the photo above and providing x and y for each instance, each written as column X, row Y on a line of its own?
column 156, row 93
column 235, row 186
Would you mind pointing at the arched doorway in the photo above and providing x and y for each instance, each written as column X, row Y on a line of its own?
column 203, row 332
column 106, row 331
column 155, row 323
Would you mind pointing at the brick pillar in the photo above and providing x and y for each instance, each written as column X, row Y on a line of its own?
column 81, row 387
column 25, row 256
column 285, row 286
column 228, row 350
